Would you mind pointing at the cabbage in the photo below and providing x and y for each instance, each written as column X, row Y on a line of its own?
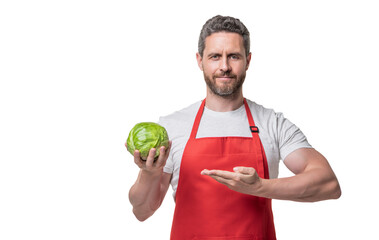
column 147, row 135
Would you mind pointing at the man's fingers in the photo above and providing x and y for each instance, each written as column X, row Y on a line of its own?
column 152, row 163
column 137, row 158
column 242, row 174
column 248, row 174
column 150, row 157
column 244, row 170
column 161, row 159
column 242, row 180
column 219, row 173
column 222, row 180
column 163, row 154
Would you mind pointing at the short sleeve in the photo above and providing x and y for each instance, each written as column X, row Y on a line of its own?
column 169, row 167
column 289, row 137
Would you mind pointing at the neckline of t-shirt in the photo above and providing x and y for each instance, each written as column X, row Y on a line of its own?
column 229, row 113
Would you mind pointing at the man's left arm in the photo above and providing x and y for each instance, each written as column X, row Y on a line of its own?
column 314, row 179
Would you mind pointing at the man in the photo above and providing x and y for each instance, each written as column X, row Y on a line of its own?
column 224, row 153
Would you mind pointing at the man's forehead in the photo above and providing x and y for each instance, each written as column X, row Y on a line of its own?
column 224, row 40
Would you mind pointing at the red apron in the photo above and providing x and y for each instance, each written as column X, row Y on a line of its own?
column 208, row 210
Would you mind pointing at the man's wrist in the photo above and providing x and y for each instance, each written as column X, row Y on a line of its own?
column 262, row 187
column 152, row 173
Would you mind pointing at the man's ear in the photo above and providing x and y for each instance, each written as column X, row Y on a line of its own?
column 248, row 59
column 199, row 61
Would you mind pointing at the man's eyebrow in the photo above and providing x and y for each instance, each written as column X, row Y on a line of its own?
column 213, row 54
column 229, row 54
column 235, row 53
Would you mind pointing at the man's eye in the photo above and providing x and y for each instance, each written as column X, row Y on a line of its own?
column 235, row 57
column 215, row 57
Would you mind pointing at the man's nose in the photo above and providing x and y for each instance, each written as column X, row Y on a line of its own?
column 224, row 65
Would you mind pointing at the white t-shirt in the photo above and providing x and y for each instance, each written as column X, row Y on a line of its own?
column 278, row 135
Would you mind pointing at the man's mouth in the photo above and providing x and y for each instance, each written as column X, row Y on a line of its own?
column 224, row 78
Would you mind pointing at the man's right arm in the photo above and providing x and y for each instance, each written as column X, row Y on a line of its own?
column 150, row 188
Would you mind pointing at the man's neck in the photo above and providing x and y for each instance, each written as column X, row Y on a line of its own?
column 223, row 104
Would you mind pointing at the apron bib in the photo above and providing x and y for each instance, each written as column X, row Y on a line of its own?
column 208, row 210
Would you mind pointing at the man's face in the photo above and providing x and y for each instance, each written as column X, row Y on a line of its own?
column 224, row 63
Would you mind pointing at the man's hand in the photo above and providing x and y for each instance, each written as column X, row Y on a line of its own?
column 150, row 188
column 314, row 179
column 243, row 179
column 151, row 165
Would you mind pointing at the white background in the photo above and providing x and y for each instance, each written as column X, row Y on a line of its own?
column 77, row 75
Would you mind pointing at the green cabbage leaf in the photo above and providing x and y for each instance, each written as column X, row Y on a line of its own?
column 147, row 135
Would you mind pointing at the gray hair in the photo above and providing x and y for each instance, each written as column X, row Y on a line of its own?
column 224, row 24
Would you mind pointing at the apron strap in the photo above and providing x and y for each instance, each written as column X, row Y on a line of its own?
column 195, row 126
column 253, row 128
column 262, row 166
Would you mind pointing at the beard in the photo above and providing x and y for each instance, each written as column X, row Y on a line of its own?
column 225, row 89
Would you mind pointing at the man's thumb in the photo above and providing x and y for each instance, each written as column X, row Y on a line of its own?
column 244, row 170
